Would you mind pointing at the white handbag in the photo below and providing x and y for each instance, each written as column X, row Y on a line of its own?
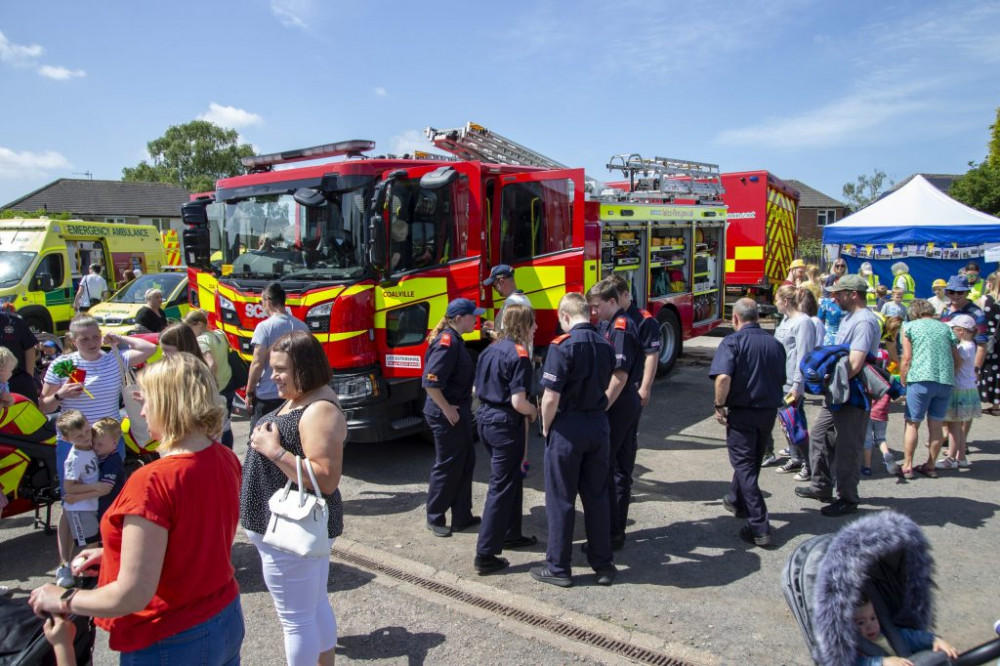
column 298, row 523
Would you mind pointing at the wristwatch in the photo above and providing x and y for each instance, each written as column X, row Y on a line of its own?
column 65, row 599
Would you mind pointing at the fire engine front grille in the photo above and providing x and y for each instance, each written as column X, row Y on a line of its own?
column 558, row 627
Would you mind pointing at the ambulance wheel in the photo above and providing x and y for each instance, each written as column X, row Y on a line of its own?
column 670, row 341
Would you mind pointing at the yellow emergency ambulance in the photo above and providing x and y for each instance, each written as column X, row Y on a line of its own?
column 43, row 260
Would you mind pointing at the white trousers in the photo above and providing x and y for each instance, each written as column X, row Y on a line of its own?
column 298, row 587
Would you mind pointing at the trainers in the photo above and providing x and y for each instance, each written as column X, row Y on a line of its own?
column 892, row 468
column 439, row 530
column 839, row 508
column 543, row 575
column 866, row 471
column 964, row 464
column 789, row 467
column 803, row 475
column 808, row 493
column 769, row 459
column 472, row 522
column 946, row 463
column 487, row 564
column 784, row 453
column 762, row 541
column 64, row 576
column 606, row 575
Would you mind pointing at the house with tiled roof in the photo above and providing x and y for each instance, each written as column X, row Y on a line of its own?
column 942, row 181
column 816, row 210
column 112, row 201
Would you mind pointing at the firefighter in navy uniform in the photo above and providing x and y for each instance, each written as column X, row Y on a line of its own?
column 448, row 376
column 623, row 395
column 649, row 338
column 503, row 380
column 577, row 369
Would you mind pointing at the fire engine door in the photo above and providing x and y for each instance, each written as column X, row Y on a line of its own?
column 534, row 227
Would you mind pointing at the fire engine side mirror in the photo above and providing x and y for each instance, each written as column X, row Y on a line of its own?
column 308, row 197
column 378, row 242
column 440, row 177
column 197, row 242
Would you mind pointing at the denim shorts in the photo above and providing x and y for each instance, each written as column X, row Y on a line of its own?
column 927, row 399
column 214, row 642
column 876, row 433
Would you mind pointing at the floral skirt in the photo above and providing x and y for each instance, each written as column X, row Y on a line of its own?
column 964, row 405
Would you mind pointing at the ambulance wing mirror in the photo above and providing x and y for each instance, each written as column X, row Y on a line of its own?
column 42, row 282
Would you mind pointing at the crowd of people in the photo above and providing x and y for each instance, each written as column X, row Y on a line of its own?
column 586, row 393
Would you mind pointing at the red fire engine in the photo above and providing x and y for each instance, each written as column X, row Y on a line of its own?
column 371, row 250
column 761, row 239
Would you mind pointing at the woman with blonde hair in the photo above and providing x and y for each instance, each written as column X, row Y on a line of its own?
column 503, row 382
column 797, row 334
column 167, row 589
column 813, row 282
column 448, row 377
column 181, row 338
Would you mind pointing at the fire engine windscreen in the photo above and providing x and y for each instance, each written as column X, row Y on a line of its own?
column 270, row 237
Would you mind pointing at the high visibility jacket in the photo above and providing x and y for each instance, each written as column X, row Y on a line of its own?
column 908, row 285
column 872, row 283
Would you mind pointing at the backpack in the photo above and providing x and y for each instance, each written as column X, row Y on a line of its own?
column 241, row 371
column 817, row 367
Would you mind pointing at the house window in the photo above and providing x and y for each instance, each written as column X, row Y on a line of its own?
column 115, row 220
column 826, row 216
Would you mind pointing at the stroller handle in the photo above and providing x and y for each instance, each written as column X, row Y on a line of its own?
column 983, row 654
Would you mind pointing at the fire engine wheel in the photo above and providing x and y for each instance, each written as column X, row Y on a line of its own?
column 670, row 341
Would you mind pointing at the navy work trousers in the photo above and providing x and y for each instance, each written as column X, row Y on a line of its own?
column 576, row 463
column 502, row 433
column 450, row 485
column 748, row 436
column 623, row 422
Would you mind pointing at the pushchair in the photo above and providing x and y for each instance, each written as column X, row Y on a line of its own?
column 884, row 556
column 22, row 642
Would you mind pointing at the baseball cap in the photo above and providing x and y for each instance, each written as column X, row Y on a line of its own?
column 963, row 321
column 463, row 306
column 939, row 283
column 957, row 283
column 850, row 282
column 500, row 270
column 51, row 343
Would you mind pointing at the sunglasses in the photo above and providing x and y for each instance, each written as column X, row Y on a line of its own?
column 840, row 265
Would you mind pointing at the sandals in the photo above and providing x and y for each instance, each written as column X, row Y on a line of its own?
column 927, row 470
column 906, row 472
column 992, row 411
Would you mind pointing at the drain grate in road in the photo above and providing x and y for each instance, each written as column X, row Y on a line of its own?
column 558, row 627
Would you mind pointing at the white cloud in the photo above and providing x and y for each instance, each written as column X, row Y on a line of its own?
column 60, row 73
column 230, row 116
column 408, row 141
column 292, row 13
column 25, row 164
column 18, row 54
column 381, row 92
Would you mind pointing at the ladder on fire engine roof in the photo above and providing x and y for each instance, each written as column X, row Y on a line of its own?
column 663, row 177
column 475, row 142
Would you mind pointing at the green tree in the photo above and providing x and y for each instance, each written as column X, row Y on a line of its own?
column 980, row 186
column 192, row 156
column 9, row 214
column 866, row 189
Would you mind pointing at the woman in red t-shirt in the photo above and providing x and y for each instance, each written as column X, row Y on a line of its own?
column 165, row 569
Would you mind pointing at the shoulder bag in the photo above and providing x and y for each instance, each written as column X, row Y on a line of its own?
column 137, row 426
column 298, row 523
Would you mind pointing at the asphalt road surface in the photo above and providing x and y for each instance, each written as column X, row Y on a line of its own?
column 687, row 587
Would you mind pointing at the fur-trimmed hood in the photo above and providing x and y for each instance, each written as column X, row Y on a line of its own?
column 888, row 547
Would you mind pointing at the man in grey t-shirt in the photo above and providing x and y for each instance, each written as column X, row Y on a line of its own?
column 262, row 394
column 836, row 439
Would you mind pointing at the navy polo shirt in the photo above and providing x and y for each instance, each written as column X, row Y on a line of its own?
column 504, row 368
column 578, row 366
column 623, row 335
column 649, row 330
column 755, row 362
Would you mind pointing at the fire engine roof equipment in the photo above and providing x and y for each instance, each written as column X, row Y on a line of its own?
column 352, row 148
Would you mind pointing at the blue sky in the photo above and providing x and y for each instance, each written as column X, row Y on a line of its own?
column 816, row 91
